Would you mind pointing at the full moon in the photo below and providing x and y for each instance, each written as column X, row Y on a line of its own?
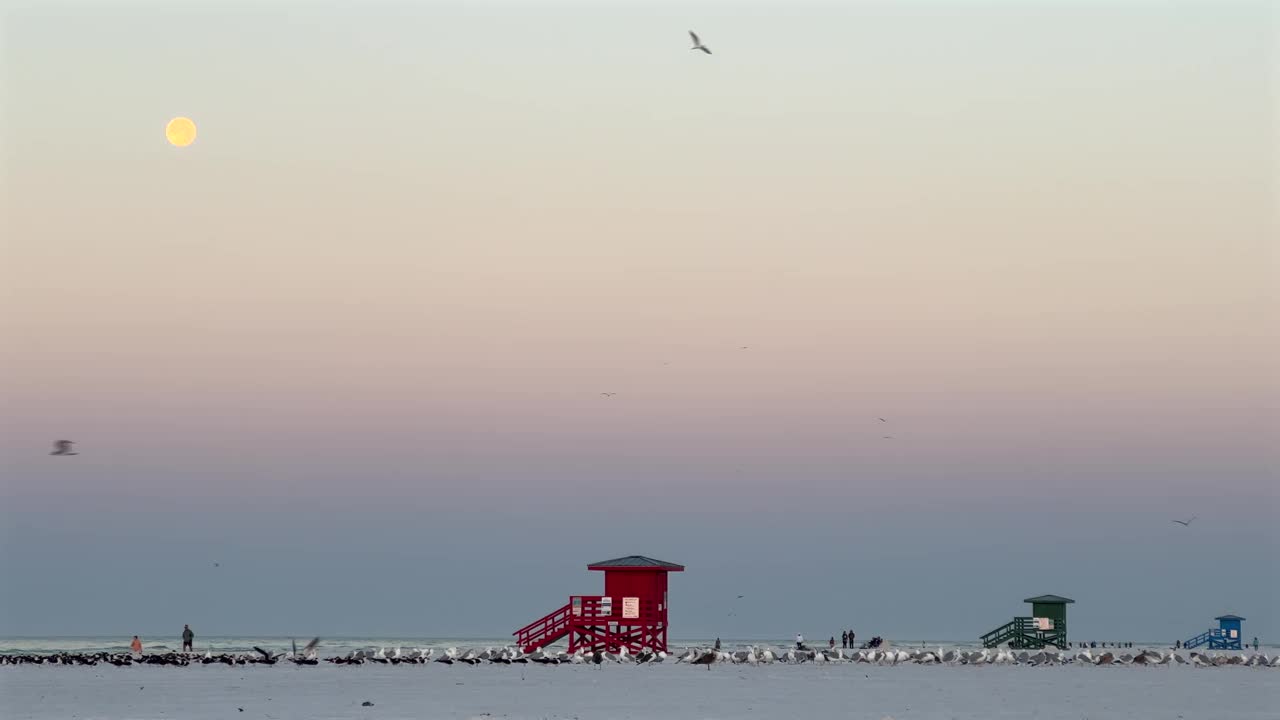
column 180, row 132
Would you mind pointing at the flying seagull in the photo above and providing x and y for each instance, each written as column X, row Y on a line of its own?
column 609, row 394
column 883, row 420
column 1186, row 523
column 63, row 447
column 697, row 44
column 887, row 437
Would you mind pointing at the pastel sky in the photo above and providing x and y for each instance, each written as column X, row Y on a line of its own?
column 358, row 333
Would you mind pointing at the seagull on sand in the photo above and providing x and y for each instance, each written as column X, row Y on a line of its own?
column 63, row 447
column 697, row 44
column 1186, row 523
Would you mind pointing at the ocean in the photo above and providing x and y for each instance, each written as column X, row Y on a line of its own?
column 331, row 646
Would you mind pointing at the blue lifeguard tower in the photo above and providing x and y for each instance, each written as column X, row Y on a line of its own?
column 1225, row 637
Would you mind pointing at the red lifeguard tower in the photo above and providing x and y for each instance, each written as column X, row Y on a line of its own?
column 632, row 613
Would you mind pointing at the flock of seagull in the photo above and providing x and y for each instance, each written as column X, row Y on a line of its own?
column 707, row 657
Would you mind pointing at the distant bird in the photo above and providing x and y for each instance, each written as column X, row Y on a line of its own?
column 887, row 437
column 883, row 420
column 741, row 596
column 697, row 44
column 63, row 447
column 217, row 564
column 609, row 394
column 1186, row 523
column 744, row 347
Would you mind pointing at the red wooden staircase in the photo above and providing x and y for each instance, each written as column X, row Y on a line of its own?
column 546, row 630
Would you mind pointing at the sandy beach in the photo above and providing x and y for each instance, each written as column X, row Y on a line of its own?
column 662, row 691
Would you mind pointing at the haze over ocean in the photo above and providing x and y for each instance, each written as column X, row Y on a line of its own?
column 351, row 343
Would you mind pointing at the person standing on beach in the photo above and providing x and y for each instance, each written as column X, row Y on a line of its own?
column 1255, row 643
column 188, row 638
column 799, row 641
column 136, row 645
column 844, row 639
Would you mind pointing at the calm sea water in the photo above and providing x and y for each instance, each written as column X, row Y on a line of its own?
column 341, row 645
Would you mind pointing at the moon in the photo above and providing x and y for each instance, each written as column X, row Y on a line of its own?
column 180, row 132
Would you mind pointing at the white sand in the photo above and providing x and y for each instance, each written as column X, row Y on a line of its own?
column 616, row 691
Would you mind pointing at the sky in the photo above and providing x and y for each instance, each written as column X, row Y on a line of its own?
column 351, row 344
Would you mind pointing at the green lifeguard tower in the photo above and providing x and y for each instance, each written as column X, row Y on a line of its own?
column 1046, row 626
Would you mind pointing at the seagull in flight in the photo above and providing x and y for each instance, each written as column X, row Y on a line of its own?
column 63, row 447
column 887, row 437
column 697, row 44
column 609, row 394
column 1186, row 523
column 883, row 420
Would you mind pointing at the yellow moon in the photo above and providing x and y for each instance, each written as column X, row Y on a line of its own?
column 180, row 132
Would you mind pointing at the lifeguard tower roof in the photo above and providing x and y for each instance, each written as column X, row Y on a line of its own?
column 1229, row 617
column 635, row 562
column 1049, row 600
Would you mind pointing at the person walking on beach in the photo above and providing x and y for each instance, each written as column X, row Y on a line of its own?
column 1255, row 643
column 188, row 638
column 717, row 643
column 799, row 641
column 136, row 645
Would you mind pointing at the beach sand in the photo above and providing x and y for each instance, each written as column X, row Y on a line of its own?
column 618, row 691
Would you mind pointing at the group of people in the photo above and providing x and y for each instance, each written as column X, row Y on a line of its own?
column 188, row 641
column 847, row 641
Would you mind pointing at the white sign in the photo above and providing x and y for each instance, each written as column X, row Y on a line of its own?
column 630, row 607
column 1044, row 623
column 606, row 606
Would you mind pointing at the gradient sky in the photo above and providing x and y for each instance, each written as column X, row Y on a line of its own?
column 351, row 343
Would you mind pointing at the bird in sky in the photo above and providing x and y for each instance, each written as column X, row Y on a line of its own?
column 697, row 44
column 883, row 420
column 217, row 564
column 608, row 394
column 63, row 447
column 887, row 437
column 745, row 347
column 1186, row 523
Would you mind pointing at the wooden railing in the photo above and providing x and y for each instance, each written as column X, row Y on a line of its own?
column 545, row 630
column 594, row 607
column 1025, row 629
column 585, row 610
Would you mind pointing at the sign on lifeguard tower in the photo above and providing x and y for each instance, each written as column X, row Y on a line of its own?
column 630, row 608
column 606, row 606
column 1044, row 623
